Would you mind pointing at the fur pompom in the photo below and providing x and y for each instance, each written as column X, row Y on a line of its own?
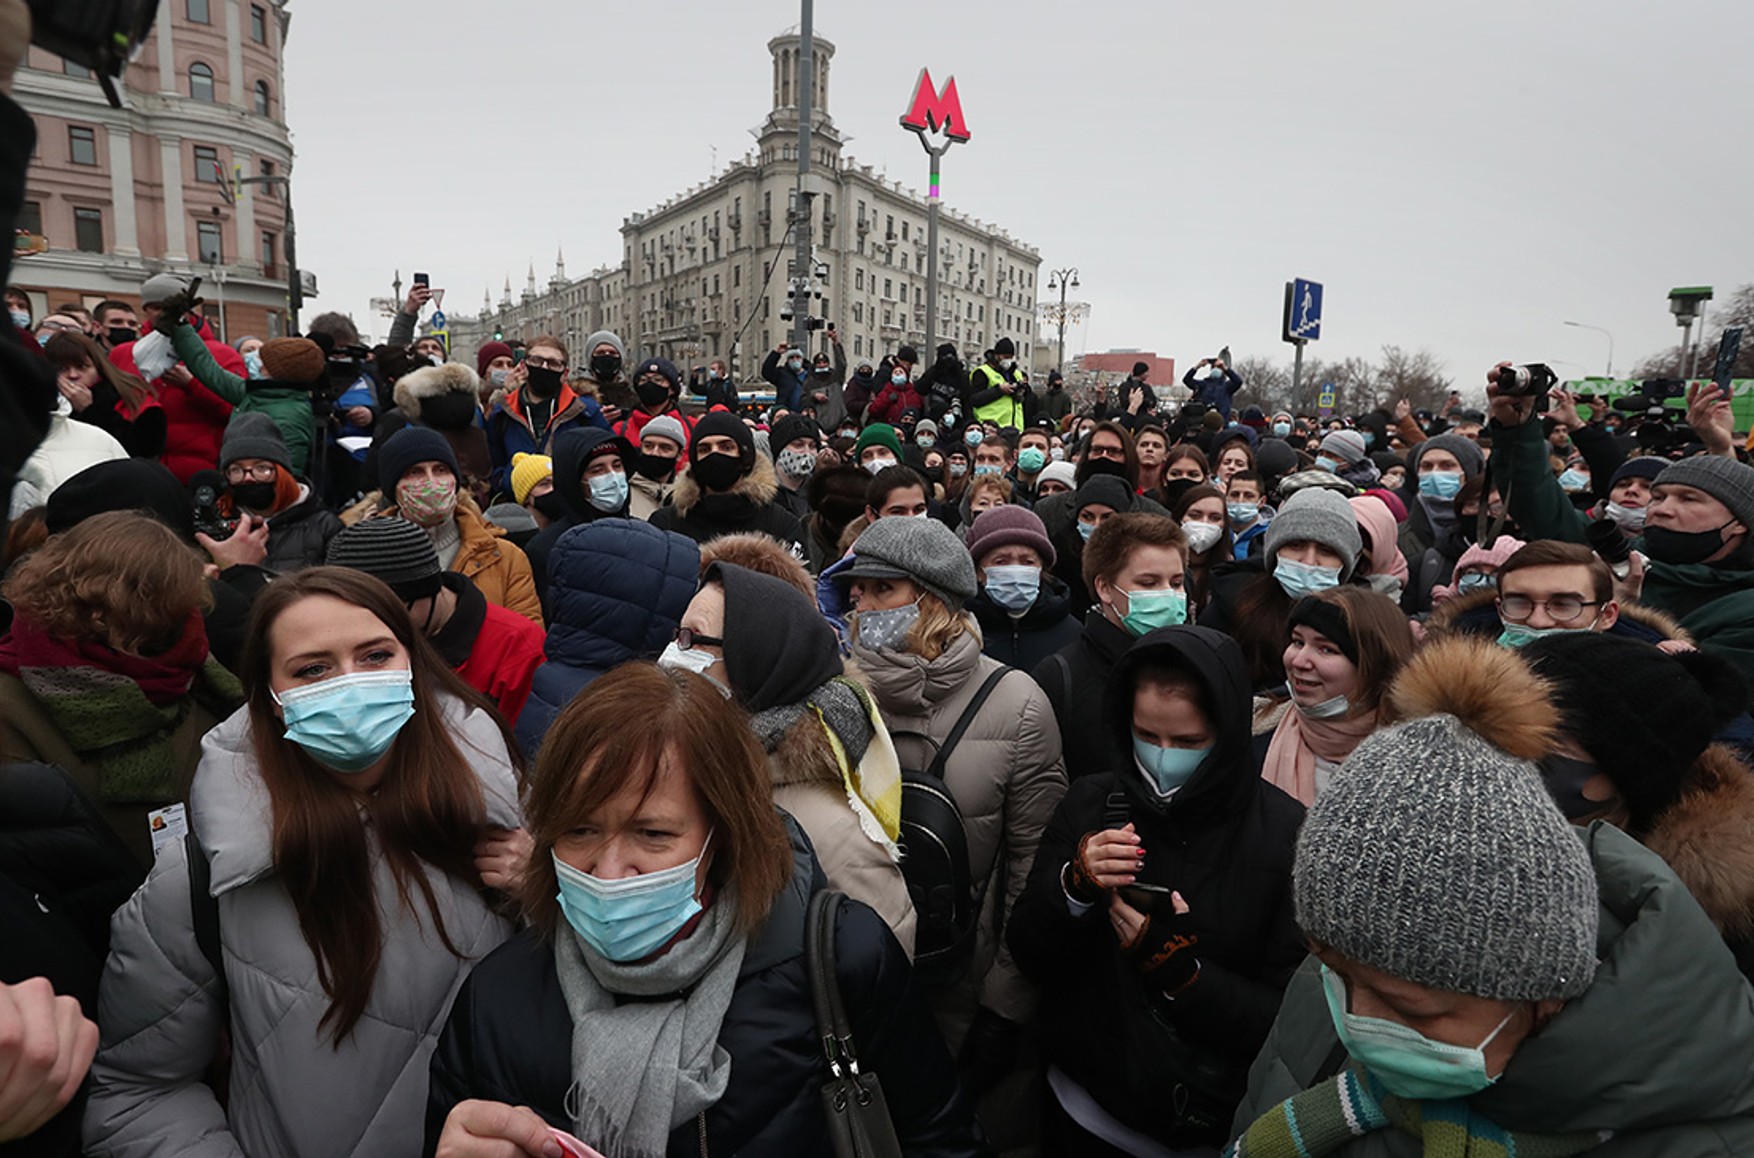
column 1487, row 687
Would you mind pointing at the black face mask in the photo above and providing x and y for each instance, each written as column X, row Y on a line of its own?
column 1091, row 467
column 1683, row 547
column 551, row 505
column 448, row 411
column 254, row 496
column 604, row 367
column 717, row 472
column 652, row 394
column 1565, row 778
column 543, row 382
column 122, row 335
column 656, row 467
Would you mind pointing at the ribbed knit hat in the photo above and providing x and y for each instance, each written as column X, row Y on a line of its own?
column 1316, row 515
column 1645, row 466
column 1466, row 451
column 1724, row 479
column 724, row 424
column 393, row 550
column 1106, row 489
column 410, row 445
column 1275, row 459
column 791, row 428
column 1436, row 854
column 666, row 426
column 878, row 434
column 1009, row 526
column 252, row 434
column 923, row 550
column 1063, row 473
column 487, row 353
column 664, row 368
column 293, row 360
column 1345, row 445
column 925, row 426
column 527, row 471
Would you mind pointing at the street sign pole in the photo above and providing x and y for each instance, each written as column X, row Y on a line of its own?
column 941, row 112
column 1296, row 371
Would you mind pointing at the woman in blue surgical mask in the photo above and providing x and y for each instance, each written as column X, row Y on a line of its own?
column 1617, row 1025
column 660, row 1000
column 1158, row 916
column 354, row 821
column 1023, row 607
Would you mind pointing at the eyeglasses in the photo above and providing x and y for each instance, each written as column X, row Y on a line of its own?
column 687, row 637
column 1113, row 453
column 1562, row 608
column 545, row 363
column 263, row 472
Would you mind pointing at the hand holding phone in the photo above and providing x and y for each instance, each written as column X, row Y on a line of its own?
column 1148, row 899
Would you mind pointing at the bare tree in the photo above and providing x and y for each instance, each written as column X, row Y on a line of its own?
column 1268, row 384
column 1416, row 375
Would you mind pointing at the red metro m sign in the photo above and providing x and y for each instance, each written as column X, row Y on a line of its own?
column 934, row 111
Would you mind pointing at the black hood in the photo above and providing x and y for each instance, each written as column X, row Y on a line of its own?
column 572, row 450
column 1228, row 778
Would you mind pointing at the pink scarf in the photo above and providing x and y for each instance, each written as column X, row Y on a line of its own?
column 1299, row 739
column 1378, row 524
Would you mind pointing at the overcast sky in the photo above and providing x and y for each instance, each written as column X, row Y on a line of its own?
column 1463, row 177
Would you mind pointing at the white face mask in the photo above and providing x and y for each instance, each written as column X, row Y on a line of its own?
column 1202, row 537
column 877, row 465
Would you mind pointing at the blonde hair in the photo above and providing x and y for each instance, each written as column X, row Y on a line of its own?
column 936, row 629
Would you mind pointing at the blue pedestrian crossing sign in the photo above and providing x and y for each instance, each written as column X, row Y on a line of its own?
column 1325, row 400
column 1303, row 310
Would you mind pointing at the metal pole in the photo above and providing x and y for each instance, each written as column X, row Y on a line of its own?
column 294, row 291
column 1686, row 346
column 219, row 280
column 1297, row 374
column 1061, row 365
column 801, row 270
column 932, row 204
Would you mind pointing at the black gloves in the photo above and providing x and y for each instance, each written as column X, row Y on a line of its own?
column 1165, row 952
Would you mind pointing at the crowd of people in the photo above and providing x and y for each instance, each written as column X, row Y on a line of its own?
column 513, row 752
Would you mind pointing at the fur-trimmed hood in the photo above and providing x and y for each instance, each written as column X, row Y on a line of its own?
column 1476, row 614
column 1707, row 837
column 432, row 382
column 759, row 486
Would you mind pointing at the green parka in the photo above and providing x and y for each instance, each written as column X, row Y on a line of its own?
column 287, row 403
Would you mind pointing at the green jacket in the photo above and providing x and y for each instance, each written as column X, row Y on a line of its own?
column 1533, row 497
column 1657, row 1050
column 1714, row 604
column 287, row 403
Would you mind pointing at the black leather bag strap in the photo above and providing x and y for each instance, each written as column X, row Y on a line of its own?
column 942, row 761
column 832, row 1027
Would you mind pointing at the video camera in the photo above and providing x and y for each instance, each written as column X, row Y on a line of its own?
column 101, row 35
column 1530, row 381
column 1656, row 428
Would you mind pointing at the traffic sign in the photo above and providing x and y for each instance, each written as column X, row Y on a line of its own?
column 1303, row 311
column 438, row 319
column 1325, row 400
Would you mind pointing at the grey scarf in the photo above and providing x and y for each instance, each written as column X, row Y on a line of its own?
column 645, row 1066
column 843, row 707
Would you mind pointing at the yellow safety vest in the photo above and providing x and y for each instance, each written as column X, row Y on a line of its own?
column 1006, row 410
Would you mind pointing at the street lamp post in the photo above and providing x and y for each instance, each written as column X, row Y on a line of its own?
column 1062, row 279
column 1599, row 330
column 294, row 291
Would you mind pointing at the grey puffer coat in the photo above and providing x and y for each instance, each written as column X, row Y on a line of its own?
column 293, row 1095
column 1007, row 777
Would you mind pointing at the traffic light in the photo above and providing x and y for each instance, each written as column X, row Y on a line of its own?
column 498, row 335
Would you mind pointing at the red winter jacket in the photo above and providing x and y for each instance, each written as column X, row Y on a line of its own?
column 194, row 416
column 892, row 400
column 507, row 652
column 631, row 426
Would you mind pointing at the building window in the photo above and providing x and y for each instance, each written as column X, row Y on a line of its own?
column 30, row 218
column 858, row 279
column 201, row 82
column 858, row 311
column 207, row 169
column 258, row 24
column 82, row 144
column 736, row 276
column 262, row 101
column 88, row 230
column 888, row 287
column 199, row 12
column 207, row 247
column 267, row 253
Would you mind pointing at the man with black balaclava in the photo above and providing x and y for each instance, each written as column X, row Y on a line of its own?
column 729, row 488
column 615, row 394
column 538, row 405
column 943, row 385
column 656, row 383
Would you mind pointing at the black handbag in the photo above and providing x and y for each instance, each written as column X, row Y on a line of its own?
column 852, row 1101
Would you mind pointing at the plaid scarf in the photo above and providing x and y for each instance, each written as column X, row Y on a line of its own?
column 1324, row 1119
column 119, row 711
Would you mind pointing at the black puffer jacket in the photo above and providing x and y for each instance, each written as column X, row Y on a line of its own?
column 1225, row 842
column 748, row 506
column 509, row 1039
column 298, row 537
column 1027, row 640
column 1074, row 678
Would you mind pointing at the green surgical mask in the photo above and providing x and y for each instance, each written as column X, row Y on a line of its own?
column 1516, row 635
column 1407, row 1063
column 1150, row 610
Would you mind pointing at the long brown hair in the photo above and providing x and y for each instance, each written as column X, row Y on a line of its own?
column 428, row 808
column 70, row 351
column 1380, row 636
column 1258, row 623
column 1199, row 580
column 592, row 752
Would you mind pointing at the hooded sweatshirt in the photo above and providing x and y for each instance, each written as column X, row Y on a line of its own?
column 572, row 453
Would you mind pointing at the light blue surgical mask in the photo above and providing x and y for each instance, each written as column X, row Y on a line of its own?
column 20, row 319
column 1443, row 484
column 1150, row 610
column 608, row 492
column 1629, row 519
column 1281, row 429
column 975, row 436
column 1407, row 1063
column 1300, row 579
column 1574, row 480
column 1031, row 459
column 1329, row 709
column 1331, row 465
column 253, row 364
column 1517, row 635
column 630, row 918
column 1168, row 768
column 1243, row 514
column 987, row 468
column 1369, row 438
column 884, row 630
column 1475, row 581
column 1013, row 588
column 347, row 723
column 1085, row 530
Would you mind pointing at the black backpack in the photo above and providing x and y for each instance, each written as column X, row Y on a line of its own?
column 934, row 844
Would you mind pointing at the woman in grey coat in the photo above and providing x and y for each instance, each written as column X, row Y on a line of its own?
column 341, row 814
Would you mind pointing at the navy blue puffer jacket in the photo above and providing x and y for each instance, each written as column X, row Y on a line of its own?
column 617, row 590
